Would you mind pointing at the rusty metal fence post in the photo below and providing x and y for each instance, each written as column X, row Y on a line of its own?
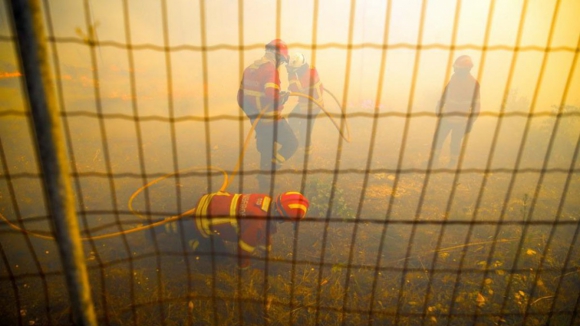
column 28, row 26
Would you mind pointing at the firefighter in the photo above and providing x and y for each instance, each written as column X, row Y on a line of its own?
column 304, row 79
column 260, row 89
column 458, row 108
column 241, row 218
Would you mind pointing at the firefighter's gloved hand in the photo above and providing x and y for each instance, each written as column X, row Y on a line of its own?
column 284, row 97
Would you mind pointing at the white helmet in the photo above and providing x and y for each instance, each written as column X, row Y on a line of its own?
column 297, row 60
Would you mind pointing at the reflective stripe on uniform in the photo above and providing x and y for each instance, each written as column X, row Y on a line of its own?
column 234, row 223
column 318, row 86
column 252, row 92
column 266, row 204
column 222, row 220
column 257, row 95
column 200, row 227
column 234, row 212
column 272, row 85
column 246, row 247
column 317, row 94
column 234, row 205
column 203, row 205
column 204, row 223
column 299, row 206
column 201, row 213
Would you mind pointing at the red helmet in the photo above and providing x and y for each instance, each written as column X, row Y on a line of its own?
column 292, row 205
column 279, row 47
column 463, row 62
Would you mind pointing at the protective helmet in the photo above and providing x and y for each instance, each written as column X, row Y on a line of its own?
column 278, row 47
column 297, row 60
column 292, row 205
column 463, row 62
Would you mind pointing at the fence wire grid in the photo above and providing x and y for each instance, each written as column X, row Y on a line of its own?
column 400, row 229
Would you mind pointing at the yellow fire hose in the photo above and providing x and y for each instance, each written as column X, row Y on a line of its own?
column 227, row 181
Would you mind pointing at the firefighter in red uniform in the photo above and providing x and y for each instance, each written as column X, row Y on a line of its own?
column 241, row 218
column 458, row 108
column 304, row 79
column 260, row 90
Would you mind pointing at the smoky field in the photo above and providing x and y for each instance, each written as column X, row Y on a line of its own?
column 388, row 239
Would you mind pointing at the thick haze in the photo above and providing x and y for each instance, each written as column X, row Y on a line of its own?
column 329, row 30
column 535, row 78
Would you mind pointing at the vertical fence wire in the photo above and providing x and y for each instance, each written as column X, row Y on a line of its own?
column 449, row 203
column 207, row 129
column 339, row 154
column 519, row 159
column 384, row 55
column 241, row 133
column 336, row 169
column 71, row 152
column 296, row 229
column 492, row 151
column 402, row 155
column 27, row 238
column 91, row 27
column 139, row 136
column 175, row 157
column 540, row 182
column 440, row 237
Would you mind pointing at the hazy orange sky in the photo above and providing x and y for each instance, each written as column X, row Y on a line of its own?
column 294, row 22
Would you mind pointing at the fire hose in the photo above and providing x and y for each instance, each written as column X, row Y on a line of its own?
column 227, row 180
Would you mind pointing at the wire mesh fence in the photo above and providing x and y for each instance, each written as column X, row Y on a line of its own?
column 403, row 225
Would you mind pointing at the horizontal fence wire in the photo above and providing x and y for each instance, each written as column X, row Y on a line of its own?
column 320, row 46
column 385, row 241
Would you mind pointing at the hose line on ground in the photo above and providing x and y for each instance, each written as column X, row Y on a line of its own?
column 227, row 180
